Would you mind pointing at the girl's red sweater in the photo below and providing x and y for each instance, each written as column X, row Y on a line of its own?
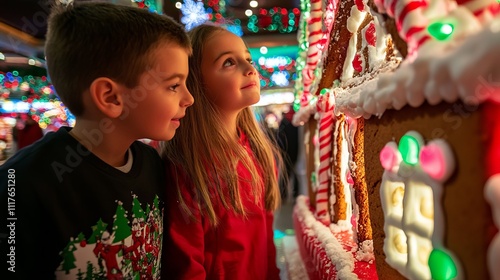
column 237, row 248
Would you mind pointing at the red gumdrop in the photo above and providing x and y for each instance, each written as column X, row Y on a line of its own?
column 371, row 39
column 360, row 5
column 356, row 63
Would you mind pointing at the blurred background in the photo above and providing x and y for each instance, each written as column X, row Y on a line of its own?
column 268, row 26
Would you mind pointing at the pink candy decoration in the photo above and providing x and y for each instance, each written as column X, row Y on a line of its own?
column 304, row 100
column 315, row 140
column 353, row 221
column 389, row 156
column 349, row 178
column 350, row 121
column 433, row 161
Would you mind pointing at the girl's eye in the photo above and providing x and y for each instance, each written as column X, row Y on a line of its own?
column 251, row 61
column 228, row 62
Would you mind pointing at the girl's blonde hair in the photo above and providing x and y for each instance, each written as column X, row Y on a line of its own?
column 208, row 154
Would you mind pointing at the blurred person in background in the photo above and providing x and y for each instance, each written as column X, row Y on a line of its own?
column 26, row 131
column 288, row 141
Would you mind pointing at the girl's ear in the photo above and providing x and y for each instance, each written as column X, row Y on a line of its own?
column 106, row 95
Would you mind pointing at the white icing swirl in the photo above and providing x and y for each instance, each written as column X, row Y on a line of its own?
column 449, row 71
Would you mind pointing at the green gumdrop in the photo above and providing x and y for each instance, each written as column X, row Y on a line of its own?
column 409, row 149
column 296, row 106
column 324, row 91
column 440, row 31
column 441, row 265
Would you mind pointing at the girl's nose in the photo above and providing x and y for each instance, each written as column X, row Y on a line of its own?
column 251, row 69
column 188, row 99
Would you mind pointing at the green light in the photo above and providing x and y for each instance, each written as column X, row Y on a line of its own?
column 409, row 149
column 440, row 31
column 441, row 265
column 287, row 52
column 278, row 234
column 290, row 231
column 296, row 106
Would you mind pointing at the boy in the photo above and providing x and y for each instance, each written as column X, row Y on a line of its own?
column 87, row 202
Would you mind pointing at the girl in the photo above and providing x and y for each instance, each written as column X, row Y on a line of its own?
column 220, row 214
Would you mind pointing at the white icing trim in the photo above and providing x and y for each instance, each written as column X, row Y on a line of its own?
column 344, row 167
column 342, row 260
column 441, row 72
column 353, row 22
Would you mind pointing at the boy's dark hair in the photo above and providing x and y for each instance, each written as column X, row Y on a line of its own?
column 87, row 40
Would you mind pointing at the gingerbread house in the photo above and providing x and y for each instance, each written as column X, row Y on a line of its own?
column 401, row 101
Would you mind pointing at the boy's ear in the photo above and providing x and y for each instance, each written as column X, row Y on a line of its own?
column 107, row 96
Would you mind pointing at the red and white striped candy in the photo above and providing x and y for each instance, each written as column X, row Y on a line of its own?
column 325, row 108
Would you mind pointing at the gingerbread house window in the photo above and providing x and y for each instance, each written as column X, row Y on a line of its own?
column 410, row 192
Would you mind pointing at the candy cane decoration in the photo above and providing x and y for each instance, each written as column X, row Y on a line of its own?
column 325, row 107
column 413, row 16
column 481, row 7
column 313, row 51
column 328, row 23
column 411, row 19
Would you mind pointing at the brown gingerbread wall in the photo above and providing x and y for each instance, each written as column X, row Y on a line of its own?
column 338, row 187
column 467, row 214
column 361, row 193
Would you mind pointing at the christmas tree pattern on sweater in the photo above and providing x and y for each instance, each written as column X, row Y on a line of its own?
column 131, row 250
